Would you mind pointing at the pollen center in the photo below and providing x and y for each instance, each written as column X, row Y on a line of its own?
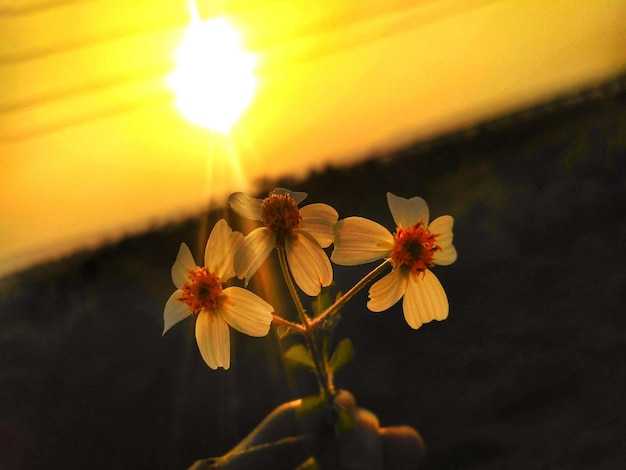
column 280, row 214
column 203, row 290
column 415, row 248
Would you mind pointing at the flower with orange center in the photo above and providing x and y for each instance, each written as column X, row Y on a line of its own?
column 280, row 214
column 304, row 233
column 415, row 247
column 200, row 291
column 203, row 289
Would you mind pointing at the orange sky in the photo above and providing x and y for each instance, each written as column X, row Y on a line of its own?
column 92, row 146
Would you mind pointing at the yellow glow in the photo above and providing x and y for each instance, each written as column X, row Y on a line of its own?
column 214, row 80
column 361, row 79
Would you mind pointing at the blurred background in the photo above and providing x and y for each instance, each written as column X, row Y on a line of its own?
column 123, row 126
column 93, row 144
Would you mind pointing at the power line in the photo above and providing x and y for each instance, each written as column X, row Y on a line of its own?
column 343, row 23
column 157, row 72
column 75, row 121
column 140, row 29
column 87, row 88
column 70, row 46
column 24, row 9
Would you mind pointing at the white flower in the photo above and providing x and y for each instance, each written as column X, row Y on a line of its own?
column 414, row 248
column 303, row 232
column 200, row 291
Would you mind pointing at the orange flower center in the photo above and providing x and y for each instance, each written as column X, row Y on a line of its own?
column 280, row 214
column 415, row 248
column 203, row 290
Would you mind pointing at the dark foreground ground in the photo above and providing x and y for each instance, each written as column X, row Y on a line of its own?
column 528, row 372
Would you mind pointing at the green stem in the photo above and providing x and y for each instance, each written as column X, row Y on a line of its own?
column 282, row 258
column 334, row 308
column 322, row 375
column 329, row 371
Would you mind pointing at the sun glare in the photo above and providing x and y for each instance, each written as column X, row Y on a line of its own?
column 214, row 78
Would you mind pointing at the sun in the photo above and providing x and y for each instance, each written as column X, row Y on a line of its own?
column 214, row 79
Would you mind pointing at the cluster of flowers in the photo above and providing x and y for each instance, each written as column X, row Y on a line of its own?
column 300, row 236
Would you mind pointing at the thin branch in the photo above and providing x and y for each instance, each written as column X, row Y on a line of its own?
column 334, row 308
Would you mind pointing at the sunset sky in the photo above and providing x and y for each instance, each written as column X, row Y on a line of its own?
column 93, row 146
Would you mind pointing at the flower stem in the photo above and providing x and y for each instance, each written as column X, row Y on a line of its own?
column 291, row 287
column 334, row 308
column 282, row 322
column 323, row 377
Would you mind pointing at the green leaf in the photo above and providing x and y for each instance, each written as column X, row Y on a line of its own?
column 321, row 302
column 345, row 423
column 300, row 356
column 344, row 352
column 309, row 405
column 283, row 331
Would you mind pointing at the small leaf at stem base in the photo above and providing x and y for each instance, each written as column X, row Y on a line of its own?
column 299, row 356
column 344, row 352
column 309, row 405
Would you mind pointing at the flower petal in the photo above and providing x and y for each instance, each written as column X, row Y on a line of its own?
column 443, row 226
column 308, row 262
column 246, row 206
column 360, row 241
column 220, row 250
column 175, row 311
column 246, row 312
column 298, row 197
column 319, row 220
column 184, row 262
column 213, row 338
column 424, row 300
column 407, row 212
column 253, row 252
column 385, row 292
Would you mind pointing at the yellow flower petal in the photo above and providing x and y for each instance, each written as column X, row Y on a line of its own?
column 184, row 262
column 213, row 338
column 254, row 250
column 424, row 300
column 246, row 206
column 246, row 312
column 319, row 220
column 175, row 311
column 385, row 292
column 407, row 212
column 360, row 241
column 220, row 250
column 308, row 262
column 443, row 226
